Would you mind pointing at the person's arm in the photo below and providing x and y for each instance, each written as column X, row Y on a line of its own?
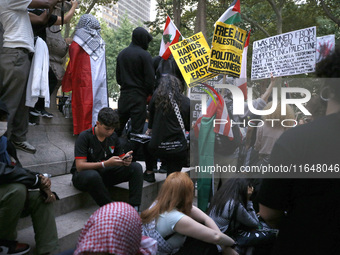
column 152, row 110
column 82, row 164
column 249, row 134
column 189, row 227
column 271, row 216
column 247, row 216
column 68, row 16
column 39, row 19
column 210, row 233
column 149, row 74
column 268, row 91
column 16, row 174
column 257, row 145
column 201, row 217
column 44, row 4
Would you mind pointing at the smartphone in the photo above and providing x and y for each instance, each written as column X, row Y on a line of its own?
column 126, row 157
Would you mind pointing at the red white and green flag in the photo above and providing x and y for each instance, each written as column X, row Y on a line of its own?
column 170, row 36
column 233, row 14
column 242, row 81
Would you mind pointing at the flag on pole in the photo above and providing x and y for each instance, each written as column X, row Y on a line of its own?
column 232, row 14
column 220, row 111
column 170, row 36
column 242, row 81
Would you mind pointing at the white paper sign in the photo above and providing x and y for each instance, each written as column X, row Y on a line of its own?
column 285, row 54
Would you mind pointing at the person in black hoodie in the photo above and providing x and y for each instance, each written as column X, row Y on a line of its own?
column 136, row 76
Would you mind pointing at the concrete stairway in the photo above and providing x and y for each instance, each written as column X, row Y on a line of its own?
column 75, row 207
column 55, row 153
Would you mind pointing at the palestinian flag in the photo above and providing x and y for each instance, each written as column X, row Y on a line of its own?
column 233, row 14
column 242, row 81
column 170, row 36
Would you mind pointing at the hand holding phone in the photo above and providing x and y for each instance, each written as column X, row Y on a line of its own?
column 126, row 156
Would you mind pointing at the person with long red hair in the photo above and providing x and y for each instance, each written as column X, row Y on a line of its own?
column 178, row 226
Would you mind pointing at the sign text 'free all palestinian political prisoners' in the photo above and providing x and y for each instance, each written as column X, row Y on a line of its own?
column 226, row 50
column 192, row 58
column 285, row 54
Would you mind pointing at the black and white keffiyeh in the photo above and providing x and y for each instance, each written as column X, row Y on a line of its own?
column 88, row 37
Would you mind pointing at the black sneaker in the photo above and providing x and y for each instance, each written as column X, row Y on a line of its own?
column 24, row 146
column 35, row 112
column 162, row 169
column 14, row 248
column 149, row 177
column 46, row 114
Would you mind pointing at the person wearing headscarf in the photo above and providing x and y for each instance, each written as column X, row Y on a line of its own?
column 86, row 74
column 115, row 228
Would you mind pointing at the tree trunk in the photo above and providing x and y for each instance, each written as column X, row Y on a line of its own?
column 278, row 11
column 177, row 13
column 201, row 18
column 91, row 6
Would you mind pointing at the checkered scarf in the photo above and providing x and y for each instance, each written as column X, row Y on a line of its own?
column 114, row 228
column 87, row 35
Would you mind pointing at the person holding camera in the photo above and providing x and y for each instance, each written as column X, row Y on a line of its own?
column 100, row 162
column 42, row 20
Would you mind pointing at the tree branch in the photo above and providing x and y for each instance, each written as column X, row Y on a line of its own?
column 91, row 6
column 251, row 21
column 329, row 14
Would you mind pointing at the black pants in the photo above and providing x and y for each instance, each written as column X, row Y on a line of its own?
column 132, row 106
column 174, row 162
column 52, row 81
column 96, row 182
column 197, row 247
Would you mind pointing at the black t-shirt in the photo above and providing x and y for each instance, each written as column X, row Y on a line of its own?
column 40, row 30
column 90, row 148
column 312, row 223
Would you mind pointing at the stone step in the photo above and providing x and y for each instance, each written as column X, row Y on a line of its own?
column 68, row 225
column 54, row 140
column 75, row 207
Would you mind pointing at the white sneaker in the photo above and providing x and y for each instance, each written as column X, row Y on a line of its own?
column 25, row 146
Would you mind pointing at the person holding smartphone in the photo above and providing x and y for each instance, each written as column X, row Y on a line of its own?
column 100, row 162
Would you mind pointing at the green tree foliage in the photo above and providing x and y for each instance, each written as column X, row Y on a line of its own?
column 116, row 41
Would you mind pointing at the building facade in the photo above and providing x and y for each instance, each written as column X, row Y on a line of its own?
column 137, row 11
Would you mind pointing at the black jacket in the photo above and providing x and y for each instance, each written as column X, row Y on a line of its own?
column 135, row 72
column 16, row 174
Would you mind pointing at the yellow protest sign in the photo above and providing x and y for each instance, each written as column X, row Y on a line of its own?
column 192, row 58
column 226, row 50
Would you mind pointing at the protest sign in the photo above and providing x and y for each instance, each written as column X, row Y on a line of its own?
column 192, row 58
column 226, row 50
column 325, row 46
column 285, row 54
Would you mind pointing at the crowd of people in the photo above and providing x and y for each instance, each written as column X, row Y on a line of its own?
column 239, row 216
